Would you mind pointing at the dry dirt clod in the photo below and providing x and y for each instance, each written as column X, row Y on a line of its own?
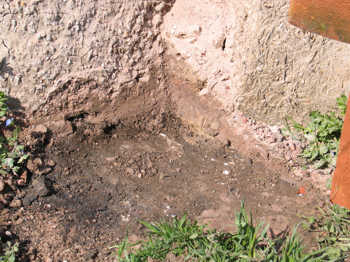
column 38, row 162
column 10, row 183
column 44, row 171
column 16, row 203
column 51, row 163
column 3, row 200
column 110, row 159
column 34, row 164
column 130, row 171
column 2, row 185
column 40, row 129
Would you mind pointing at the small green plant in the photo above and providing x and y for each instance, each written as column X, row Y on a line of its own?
column 322, row 135
column 10, row 253
column 332, row 226
column 3, row 105
column 12, row 155
column 191, row 242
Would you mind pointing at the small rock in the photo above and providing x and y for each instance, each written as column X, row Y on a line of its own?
column 226, row 172
column 16, row 203
column 129, row 171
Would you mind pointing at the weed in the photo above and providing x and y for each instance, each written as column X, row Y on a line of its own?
column 332, row 226
column 190, row 241
column 12, row 155
column 10, row 253
column 322, row 135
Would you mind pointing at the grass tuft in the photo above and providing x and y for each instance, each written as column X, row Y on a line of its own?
column 189, row 241
column 332, row 226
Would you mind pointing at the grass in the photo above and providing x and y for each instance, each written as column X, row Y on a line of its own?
column 332, row 227
column 191, row 242
column 321, row 135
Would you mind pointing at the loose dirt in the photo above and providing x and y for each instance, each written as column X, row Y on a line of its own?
column 102, row 185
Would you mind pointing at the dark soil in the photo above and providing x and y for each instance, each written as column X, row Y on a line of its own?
column 101, row 187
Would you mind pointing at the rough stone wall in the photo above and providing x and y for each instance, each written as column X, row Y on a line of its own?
column 247, row 56
column 91, row 56
column 58, row 55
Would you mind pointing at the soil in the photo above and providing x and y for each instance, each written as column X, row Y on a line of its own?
column 102, row 185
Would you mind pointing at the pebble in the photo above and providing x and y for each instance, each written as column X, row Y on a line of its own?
column 226, row 172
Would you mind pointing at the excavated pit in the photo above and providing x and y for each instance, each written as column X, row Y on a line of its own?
column 147, row 166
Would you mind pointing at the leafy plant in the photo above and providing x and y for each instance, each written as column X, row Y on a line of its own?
column 322, row 135
column 3, row 105
column 10, row 253
column 189, row 241
column 12, row 154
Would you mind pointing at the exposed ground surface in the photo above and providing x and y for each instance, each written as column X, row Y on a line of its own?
column 103, row 185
